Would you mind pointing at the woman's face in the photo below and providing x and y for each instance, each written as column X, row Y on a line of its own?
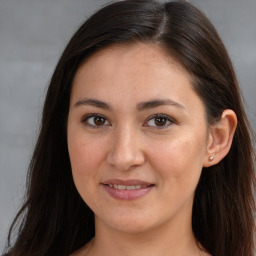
column 137, row 138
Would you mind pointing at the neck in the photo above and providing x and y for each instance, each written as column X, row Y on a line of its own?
column 168, row 239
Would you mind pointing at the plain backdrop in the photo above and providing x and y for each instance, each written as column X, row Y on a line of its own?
column 33, row 34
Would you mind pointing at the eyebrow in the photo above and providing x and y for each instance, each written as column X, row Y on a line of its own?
column 140, row 107
column 157, row 103
column 93, row 102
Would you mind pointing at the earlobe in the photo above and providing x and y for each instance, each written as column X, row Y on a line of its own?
column 220, row 138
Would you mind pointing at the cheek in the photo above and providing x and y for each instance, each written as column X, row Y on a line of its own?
column 181, row 157
column 85, row 158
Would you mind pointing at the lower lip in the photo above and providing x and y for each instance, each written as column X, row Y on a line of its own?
column 127, row 194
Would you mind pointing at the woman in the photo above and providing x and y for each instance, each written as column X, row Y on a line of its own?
column 145, row 148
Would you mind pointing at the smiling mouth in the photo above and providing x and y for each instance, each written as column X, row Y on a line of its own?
column 123, row 187
column 127, row 190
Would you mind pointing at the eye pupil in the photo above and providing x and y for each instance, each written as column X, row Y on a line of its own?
column 160, row 121
column 98, row 120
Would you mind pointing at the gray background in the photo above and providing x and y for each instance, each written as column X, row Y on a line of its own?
column 33, row 34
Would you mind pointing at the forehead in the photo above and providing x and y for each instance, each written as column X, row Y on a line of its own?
column 137, row 72
column 135, row 60
column 155, row 52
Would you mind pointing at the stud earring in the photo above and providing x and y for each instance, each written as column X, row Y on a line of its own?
column 211, row 158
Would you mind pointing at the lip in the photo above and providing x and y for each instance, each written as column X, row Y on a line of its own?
column 127, row 194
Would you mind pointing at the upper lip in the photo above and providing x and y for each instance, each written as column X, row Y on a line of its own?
column 126, row 182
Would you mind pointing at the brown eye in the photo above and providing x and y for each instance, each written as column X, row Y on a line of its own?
column 99, row 120
column 96, row 121
column 160, row 121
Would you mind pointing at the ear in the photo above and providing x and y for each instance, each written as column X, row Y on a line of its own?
column 220, row 138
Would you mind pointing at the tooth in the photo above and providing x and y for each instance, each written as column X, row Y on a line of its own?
column 130, row 187
column 123, row 187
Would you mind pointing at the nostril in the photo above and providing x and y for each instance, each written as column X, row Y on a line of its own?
column 124, row 161
column 125, row 153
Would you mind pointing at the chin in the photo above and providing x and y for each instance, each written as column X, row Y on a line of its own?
column 134, row 228
column 130, row 224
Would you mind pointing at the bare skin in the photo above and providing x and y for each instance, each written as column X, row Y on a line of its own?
column 134, row 117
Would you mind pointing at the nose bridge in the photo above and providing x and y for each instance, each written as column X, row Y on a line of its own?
column 126, row 151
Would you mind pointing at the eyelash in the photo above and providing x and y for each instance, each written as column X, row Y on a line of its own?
column 161, row 116
column 87, row 117
column 167, row 119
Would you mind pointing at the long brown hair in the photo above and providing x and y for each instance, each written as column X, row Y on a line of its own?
column 54, row 220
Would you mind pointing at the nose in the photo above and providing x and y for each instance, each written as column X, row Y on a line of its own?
column 126, row 149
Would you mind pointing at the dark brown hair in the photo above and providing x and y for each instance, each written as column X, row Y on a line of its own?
column 54, row 220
